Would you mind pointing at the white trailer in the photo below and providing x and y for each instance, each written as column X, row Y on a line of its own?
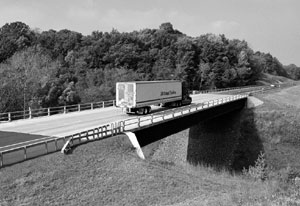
column 136, row 97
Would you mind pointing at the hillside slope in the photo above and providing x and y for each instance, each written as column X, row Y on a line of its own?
column 278, row 123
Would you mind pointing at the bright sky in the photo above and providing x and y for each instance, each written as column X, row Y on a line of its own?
column 267, row 25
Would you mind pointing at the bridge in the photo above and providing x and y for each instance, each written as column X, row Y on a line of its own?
column 25, row 139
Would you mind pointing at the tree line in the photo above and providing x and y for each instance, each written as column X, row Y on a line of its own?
column 54, row 68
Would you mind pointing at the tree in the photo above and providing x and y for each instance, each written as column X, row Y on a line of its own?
column 25, row 73
column 69, row 96
column 293, row 71
column 14, row 37
column 165, row 64
column 186, row 61
column 168, row 27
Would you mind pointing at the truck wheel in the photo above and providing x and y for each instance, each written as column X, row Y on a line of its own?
column 148, row 110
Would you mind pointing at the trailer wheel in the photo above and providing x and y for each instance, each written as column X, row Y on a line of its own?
column 145, row 110
column 148, row 110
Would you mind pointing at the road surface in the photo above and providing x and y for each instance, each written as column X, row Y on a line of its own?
column 67, row 124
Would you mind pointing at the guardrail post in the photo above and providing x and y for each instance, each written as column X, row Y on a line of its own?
column 1, row 159
column 79, row 137
column 101, row 131
column 65, row 110
column 48, row 111
column 87, row 135
column 112, row 128
column 78, row 107
column 116, row 128
column 46, row 145
column 55, row 142
column 9, row 116
column 103, row 105
column 25, row 153
column 94, row 134
column 30, row 113
column 114, row 103
column 92, row 106
column 139, row 122
column 121, row 126
column 105, row 130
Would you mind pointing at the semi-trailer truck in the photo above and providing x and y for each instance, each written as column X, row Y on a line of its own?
column 138, row 96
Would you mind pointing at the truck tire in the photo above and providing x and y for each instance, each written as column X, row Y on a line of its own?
column 148, row 110
column 145, row 110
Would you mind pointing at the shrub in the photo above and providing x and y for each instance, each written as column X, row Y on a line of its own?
column 259, row 170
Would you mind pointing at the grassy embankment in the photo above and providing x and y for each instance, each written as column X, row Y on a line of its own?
column 109, row 173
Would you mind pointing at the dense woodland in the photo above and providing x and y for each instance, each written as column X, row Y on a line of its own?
column 52, row 68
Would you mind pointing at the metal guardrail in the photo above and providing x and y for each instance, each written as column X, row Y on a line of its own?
column 33, row 113
column 46, row 146
column 225, row 89
column 248, row 88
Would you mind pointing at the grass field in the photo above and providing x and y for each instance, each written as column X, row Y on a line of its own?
column 108, row 172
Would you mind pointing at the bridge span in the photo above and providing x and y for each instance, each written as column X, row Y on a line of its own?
column 25, row 139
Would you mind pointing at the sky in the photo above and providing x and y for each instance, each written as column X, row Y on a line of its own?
column 269, row 26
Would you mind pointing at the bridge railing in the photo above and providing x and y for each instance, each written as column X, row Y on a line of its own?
column 241, row 89
column 33, row 113
column 148, row 120
column 21, row 152
column 34, row 148
column 247, row 88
